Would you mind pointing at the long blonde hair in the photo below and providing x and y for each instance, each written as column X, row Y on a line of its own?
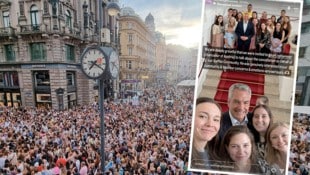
column 233, row 23
column 272, row 155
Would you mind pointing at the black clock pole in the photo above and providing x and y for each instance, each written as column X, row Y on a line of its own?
column 101, row 110
column 101, row 99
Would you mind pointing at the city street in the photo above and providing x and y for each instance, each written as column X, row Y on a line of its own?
column 148, row 138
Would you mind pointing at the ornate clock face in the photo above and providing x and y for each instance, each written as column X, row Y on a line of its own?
column 93, row 62
column 114, row 64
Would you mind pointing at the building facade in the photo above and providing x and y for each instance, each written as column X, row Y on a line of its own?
column 161, row 67
column 181, row 63
column 173, row 63
column 137, row 47
column 193, row 64
column 302, row 93
column 146, row 58
column 40, row 46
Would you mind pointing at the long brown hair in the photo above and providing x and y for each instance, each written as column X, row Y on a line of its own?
column 211, row 145
column 268, row 110
column 260, row 30
column 289, row 26
column 234, row 130
column 216, row 22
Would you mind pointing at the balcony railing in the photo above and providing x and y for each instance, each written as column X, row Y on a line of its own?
column 71, row 32
column 38, row 28
column 7, row 31
column 43, row 89
column 41, row 28
column 65, row 31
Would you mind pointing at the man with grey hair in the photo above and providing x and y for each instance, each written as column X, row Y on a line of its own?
column 239, row 98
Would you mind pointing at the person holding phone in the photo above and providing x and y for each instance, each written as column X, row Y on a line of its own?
column 206, row 126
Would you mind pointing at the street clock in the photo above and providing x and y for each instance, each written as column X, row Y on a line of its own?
column 94, row 62
column 113, row 64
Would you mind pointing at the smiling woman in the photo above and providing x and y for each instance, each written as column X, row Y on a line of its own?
column 261, row 120
column 277, row 144
column 206, row 126
column 238, row 152
column 238, row 147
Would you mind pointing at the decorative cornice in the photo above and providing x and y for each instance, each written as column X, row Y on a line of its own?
column 5, row 3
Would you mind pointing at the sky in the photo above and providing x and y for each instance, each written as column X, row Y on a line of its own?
column 178, row 20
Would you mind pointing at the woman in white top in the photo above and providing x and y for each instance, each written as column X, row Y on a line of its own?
column 217, row 39
column 230, row 36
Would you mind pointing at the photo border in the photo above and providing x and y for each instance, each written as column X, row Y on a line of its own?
column 202, row 77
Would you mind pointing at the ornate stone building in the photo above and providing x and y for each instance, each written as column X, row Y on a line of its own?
column 137, row 52
column 40, row 46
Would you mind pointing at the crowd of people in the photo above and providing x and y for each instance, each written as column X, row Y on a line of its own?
column 246, row 31
column 238, row 140
column 153, row 138
column 149, row 138
column 300, row 145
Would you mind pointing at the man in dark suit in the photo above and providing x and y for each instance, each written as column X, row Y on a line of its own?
column 244, row 32
column 239, row 97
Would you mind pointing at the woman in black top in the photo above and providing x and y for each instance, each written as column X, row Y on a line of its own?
column 263, row 39
column 286, row 26
column 277, row 39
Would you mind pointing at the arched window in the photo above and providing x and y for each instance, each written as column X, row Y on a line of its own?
column 34, row 14
column 68, row 19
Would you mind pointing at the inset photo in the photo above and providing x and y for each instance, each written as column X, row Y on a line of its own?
column 245, row 88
